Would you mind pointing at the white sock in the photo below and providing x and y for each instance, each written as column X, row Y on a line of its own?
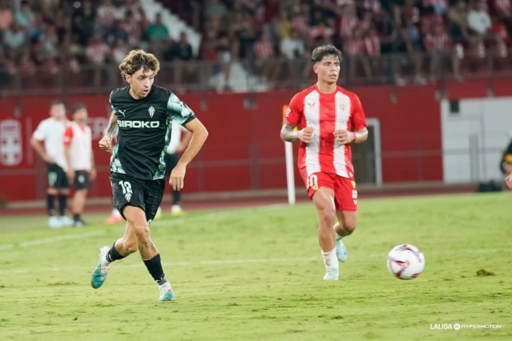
column 330, row 260
column 338, row 237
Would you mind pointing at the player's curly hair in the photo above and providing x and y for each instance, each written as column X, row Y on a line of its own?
column 137, row 59
column 325, row 50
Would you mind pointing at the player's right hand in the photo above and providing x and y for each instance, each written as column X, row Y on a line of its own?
column 306, row 134
column 48, row 159
column 106, row 143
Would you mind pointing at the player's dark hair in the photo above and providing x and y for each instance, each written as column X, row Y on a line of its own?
column 78, row 106
column 325, row 50
column 137, row 59
column 56, row 102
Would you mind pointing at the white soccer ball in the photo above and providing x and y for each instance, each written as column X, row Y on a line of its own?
column 406, row 261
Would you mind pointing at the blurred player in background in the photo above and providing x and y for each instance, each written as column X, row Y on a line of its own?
column 144, row 114
column 79, row 159
column 506, row 163
column 176, row 147
column 325, row 115
column 51, row 132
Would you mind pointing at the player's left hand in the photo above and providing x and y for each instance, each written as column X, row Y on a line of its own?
column 343, row 136
column 177, row 177
column 509, row 181
column 70, row 174
column 92, row 174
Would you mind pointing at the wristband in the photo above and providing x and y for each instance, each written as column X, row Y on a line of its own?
column 354, row 136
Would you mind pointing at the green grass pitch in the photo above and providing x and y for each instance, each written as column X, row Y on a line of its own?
column 256, row 274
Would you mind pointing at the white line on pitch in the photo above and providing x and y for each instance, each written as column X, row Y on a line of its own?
column 52, row 240
column 217, row 262
column 212, row 215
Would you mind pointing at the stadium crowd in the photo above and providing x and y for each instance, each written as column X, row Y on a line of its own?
column 74, row 33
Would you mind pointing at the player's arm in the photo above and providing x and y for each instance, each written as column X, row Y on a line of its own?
column 39, row 148
column 509, row 181
column 68, row 137
column 187, row 137
column 67, row 155
column 92, row 173
column 106, row 141
column 199, row 135
column 347, row 137
column 288, row 133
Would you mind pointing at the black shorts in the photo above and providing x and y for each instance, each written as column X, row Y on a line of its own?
column 57, row 178
column 81, row 180
column 171, row 160
column 146, row 194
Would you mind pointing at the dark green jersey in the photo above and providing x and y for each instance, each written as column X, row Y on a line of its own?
column 145, row 131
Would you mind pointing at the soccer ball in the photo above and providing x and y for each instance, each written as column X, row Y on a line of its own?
column 406, row 261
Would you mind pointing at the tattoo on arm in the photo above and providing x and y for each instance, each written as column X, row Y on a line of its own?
column 112, row 125
column 288, row 134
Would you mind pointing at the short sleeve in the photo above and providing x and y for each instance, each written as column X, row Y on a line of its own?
column 41, row 132
column 358, row 117
column 68, row 136
column 179, row 111
column 295, row 109
column 110, row 100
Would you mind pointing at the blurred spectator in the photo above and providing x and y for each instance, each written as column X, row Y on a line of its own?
column 478, row 19
column 5, row 76
column 107, row 13
column 372, row 45
column 458, row 27
column 130, row 24
column 264, row 53
column 84, row 19
column 181, row 53
column 5, row 15
column 158, row 30
column 213, row 11
column 293, row 49
column 97, row 53
column 158, row 35
column 439, row 6
column 14, row 40
column 25, row 16
column 348, row 22
column 440, row 48
column 355, row 48
column 215, row 48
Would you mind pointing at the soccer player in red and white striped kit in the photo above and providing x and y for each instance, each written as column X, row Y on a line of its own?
column 329, row 119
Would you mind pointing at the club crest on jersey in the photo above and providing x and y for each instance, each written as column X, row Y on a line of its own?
column 151, row 111
column 343, row 106
column 128, row 196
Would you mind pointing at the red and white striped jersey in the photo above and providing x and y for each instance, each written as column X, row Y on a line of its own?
column 372, row 45
column 79, row 139
column 354, row 47
column 347, row 26
column 263, row 49
column 370, row 5
column 503, row 6
column 326, row 113
column 439, row 42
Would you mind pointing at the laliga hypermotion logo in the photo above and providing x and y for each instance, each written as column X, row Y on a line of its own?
column 10, row 142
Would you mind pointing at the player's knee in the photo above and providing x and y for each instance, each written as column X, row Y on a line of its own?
column 327, row 215
column 130, row 246
column 350, row 226
column 141, row 230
